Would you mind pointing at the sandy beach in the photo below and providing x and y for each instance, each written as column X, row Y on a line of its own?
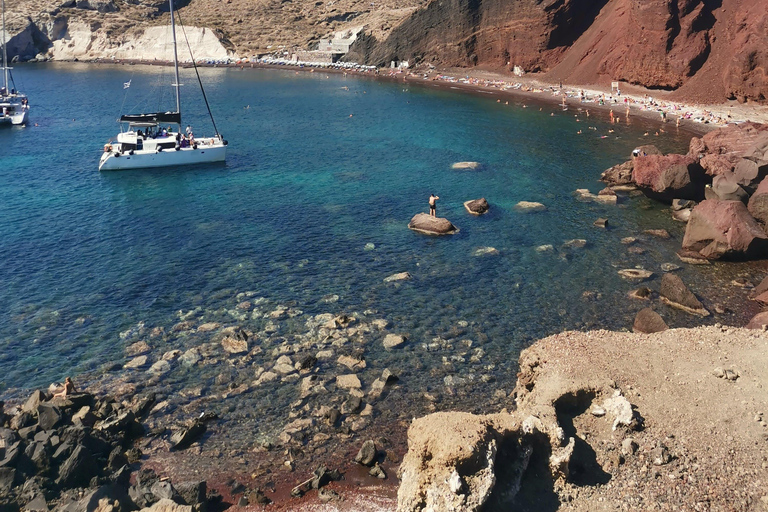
column 630, row 99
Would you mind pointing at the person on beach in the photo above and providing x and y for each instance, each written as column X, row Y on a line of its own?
column 432, row 206
column 67, row 389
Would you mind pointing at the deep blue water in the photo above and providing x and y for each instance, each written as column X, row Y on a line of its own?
column 318, row 166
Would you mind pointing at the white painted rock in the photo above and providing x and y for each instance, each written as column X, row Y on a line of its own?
column 466, row 166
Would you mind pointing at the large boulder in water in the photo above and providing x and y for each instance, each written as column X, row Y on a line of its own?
column 758, row 203
column 667, row 177
column 619, row 174
column 674, row 293
column 425, row 223
column 477, row 206
column 724, row 229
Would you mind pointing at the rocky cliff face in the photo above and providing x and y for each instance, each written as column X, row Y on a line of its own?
column 706, row 50
column 89, row 29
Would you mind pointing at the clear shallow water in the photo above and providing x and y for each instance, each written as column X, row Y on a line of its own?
column 318, row 166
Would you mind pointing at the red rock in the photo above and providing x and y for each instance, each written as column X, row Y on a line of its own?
column 667, row 177
column 762, row 298
column 715, row 165
column 762, row 287
column 674, row 293
column 708, row 51
column 734, row 139
column 759, row 321
column 648, row 321
column 724, row 229
column 758, row 203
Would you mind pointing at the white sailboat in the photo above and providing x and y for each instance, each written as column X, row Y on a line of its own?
column 14, row 106
column 150, row 140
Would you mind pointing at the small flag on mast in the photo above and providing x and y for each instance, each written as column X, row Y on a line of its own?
column 127, row 84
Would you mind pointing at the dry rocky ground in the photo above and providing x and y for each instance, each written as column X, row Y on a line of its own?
column 696, row 440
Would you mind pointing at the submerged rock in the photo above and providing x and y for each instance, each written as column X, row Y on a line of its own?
column 393, row 341
column 466, row 166
column 642, row 293
column 485, row 251
column 635, row 274
column 530, row 207
column 400, row 276
column 234, row 345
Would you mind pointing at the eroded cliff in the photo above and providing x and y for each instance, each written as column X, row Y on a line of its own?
column 703, row 50
column 708, row 50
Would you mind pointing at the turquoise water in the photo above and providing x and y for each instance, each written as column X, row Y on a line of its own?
column 318, row 166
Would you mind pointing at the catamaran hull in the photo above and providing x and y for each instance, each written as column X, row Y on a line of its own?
column 166, row 158
column 20, row 118
column 14, row 119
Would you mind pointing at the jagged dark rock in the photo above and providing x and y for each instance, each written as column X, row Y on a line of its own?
column 185, row 437
column 49, row 416
column 367, row 454
column 78, row 469
column 192, row 493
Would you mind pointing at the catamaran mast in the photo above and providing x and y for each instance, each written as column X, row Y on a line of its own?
column 5, row 55
column 175, row 62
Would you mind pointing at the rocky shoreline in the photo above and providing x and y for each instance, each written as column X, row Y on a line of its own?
column 591, row 429
column 346, row 398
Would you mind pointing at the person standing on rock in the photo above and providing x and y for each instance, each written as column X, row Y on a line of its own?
column 432, row 206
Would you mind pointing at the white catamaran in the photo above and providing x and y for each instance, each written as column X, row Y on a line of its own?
column 14, row 105
column 151, row 141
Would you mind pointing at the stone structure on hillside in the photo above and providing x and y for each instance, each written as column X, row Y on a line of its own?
column 330, row 49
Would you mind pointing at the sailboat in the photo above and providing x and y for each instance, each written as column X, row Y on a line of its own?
column 14, row 106
column 149, row 140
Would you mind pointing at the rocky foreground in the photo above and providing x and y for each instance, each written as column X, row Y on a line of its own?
column 607, row 421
